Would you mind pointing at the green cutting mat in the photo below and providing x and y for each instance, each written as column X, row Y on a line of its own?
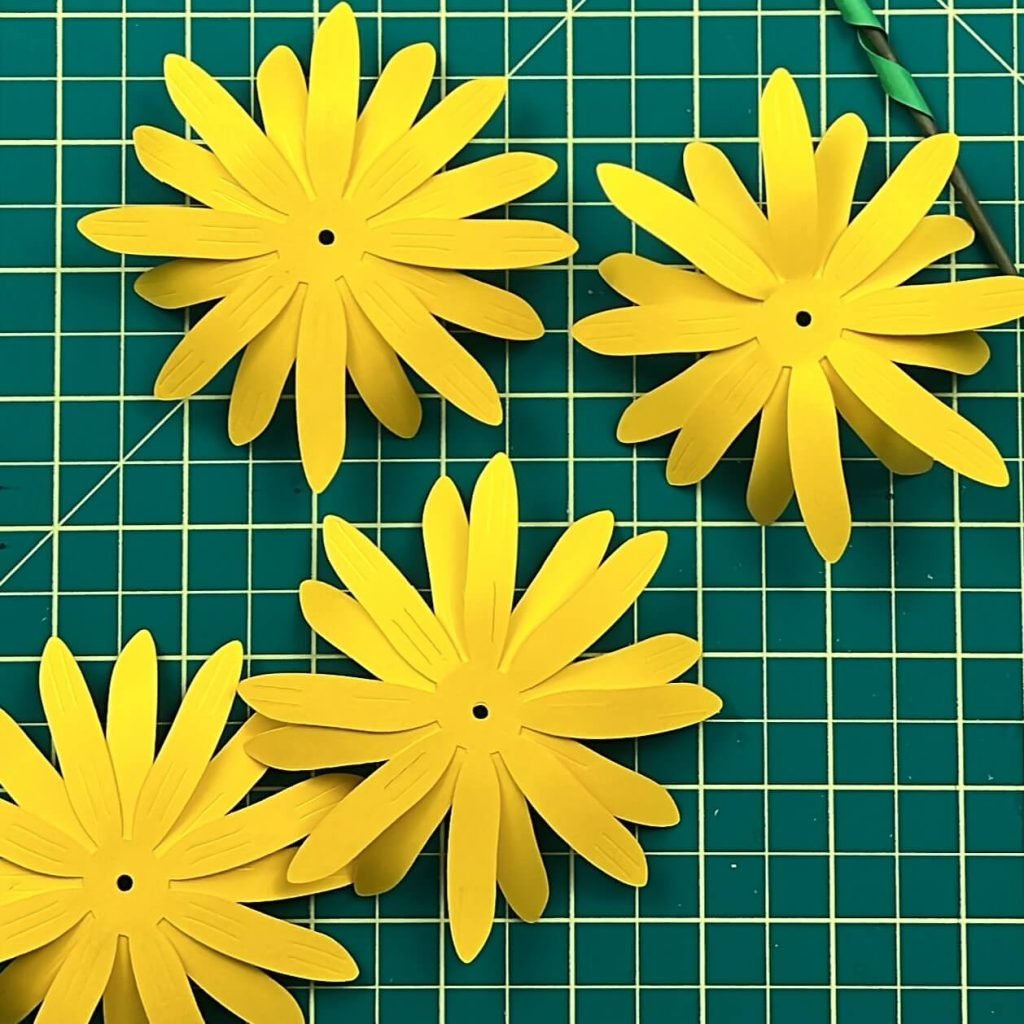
column 852, row 846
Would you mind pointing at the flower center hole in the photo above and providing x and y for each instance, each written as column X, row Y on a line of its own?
column 326, row 237
column 481, row 711
column 803, row 318
column 125, row 883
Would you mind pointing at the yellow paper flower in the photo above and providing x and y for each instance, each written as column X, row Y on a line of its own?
column 123, row 879
column 481, row 706
column 803, row 313
column 332, row 241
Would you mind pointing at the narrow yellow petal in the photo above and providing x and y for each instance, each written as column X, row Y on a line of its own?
column 31, row 922
column 221, row 334
column 614, row 714
column 474, row 188
column 32, row 782
column 244, row 990
column 573, row 813
column 281, row 86
column 249, row 156
column 896, row 209
column 429, row 144
column 918, row 416
column 131, row 720
column 161, row 979
column 186, row 752
column 266, row 362
column 253, row 832
column 378, row 375
column 896, row 454
column 259, row 939
column 938, row 308
column 26, row 980
column 692, row 232
column 311, row 747
column 265, row 881
column 446, row 544
column 717, row 188
column 791, row 183
column 473, row 854
column 187, row 282
column 122, row 1003
column 650, row 662
column 333, row 101
column 963, row 352
column 470, row 303
column 816, row 461
column 683, row 326
column 625, row 793
column 33, row 843
column 371, row 808
column 662, row 410
column 425, row 345
column 771, row 480
column 79, row 742
column 396, row 607
column 393, row 105
column 179, row 231
column 932, row 239
column 492, row 550
column 189, row 168
column 521, row 874
column 346, row 625
column 710, row 426
column 470, row 244
column 645, row 282
column 386, row 861
column 320, row 384
column 79, row 984
column 570, row 563
column 594, row 608
column 837, row 162
column 344, row 702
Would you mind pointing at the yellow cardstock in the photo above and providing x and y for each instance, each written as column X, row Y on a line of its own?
column 333, row 240
column 803, row 313
column 479, row 705
column 123, row 876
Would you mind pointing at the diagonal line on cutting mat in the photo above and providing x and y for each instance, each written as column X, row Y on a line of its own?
column 981, row 41
column 116, row 467
column 77, row 507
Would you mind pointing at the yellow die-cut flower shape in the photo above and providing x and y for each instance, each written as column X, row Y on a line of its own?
column 123, row 877
column 803, row 313
column 479, row 706
column 331, row 240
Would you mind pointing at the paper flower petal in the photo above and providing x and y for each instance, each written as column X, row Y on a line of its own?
column 693, row 233
column 344, row 623
column 245, row 991
column 131, row 719
column 770, row 488
column 642, row 280
column 627, row 794
column 963, row 352
column 816, row 461
column 393, row 105
column 122, row 1003
column 186, row 282
column 791, row 183
column 25, row 981
column 31, row 842
column 333, row 101
column 473, row 854
column 265, row 881
column 575, row 814
column 281, row 86
column 79, row 983
column 898, row 455
column 309, row 747
column 161, row 979
column 522, row 876
column 717, row 188
column 918, row 416
column 249, row 156
column 837, row 162
column 446, row 544
column 79, row 742
column 896, row 209
column 29, row 922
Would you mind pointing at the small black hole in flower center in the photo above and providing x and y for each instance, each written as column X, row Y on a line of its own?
column 803, row 318
column 326, row 237
column 481, row 711
column 125, row 883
